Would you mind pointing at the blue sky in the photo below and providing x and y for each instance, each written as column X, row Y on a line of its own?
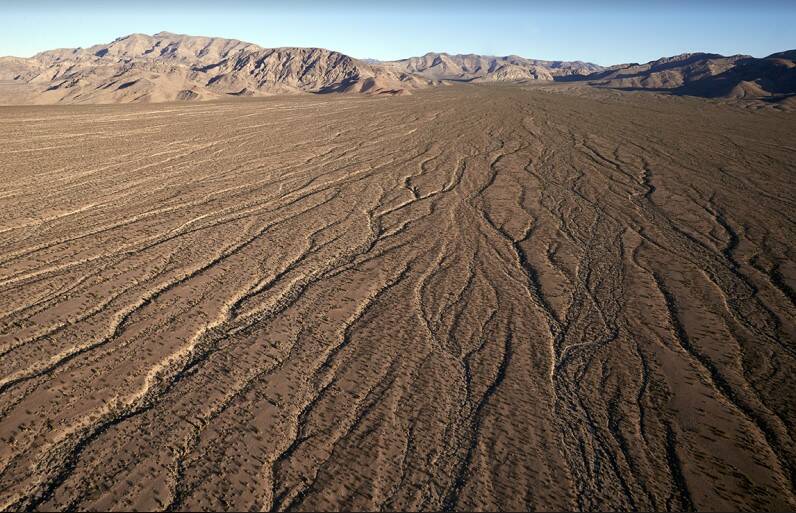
column 607, row 32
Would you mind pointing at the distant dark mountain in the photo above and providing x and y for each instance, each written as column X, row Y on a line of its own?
column 707, row 75
column 665, row 73
column 771, row 76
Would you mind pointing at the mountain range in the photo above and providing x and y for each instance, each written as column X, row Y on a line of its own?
column 442, row 66
column 707, row 75
column 166, row 67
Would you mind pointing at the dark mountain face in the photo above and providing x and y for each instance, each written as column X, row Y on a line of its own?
column 772, row 76
column 707, row 75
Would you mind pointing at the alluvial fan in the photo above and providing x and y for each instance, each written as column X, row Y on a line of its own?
column 481, row 297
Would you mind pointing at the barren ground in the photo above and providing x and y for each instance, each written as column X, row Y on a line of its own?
column 469, row 298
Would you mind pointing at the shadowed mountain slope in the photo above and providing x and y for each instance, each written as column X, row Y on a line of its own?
column 774, row 75
column 708, row 75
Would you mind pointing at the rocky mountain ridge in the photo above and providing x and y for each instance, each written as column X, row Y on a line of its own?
column 707, row 75
column 167, row 67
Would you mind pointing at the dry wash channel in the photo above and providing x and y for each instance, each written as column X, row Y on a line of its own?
column 470, row 298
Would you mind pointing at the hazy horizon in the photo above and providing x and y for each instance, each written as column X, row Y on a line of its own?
column 612, row 33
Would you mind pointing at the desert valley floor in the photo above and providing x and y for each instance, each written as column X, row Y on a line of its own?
column 473, row 297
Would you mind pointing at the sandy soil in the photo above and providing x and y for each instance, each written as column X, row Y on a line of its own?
column 475, row 297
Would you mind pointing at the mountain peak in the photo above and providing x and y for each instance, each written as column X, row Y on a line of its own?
column 167, row 66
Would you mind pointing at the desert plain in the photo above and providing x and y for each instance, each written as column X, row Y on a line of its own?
column 474, row 297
